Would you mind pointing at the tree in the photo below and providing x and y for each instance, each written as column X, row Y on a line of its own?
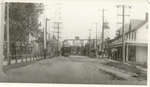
column 2, row 75
column 24, row 21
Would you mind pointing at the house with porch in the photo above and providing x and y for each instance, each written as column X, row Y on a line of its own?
column 136, row 42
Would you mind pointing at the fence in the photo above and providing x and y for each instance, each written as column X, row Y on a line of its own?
column 24, row 52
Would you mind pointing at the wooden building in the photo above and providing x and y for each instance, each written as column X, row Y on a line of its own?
column 136, row 42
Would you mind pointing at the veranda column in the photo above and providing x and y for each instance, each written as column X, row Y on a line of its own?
column 2, row 75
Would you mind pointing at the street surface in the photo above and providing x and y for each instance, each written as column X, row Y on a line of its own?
column 73, row 69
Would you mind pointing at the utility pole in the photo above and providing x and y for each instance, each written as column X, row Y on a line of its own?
column 123, row 32
column 45, row 38
column 58, row 22
column 8, row 40
column 89, row 41
column 102, row 44
column 58, row 39
column 58, row 35
column 96, row 40
column 123, row 38
column 96, row 35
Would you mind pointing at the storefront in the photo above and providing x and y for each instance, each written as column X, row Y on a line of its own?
column 134, row 52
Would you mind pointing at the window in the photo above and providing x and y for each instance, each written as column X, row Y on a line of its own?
column 130, row 36
column 127, row 36
column 133, row 35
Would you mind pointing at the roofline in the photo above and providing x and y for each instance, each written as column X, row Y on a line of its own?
column 132, row 30
column 137, row 27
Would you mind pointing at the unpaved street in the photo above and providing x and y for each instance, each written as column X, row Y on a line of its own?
column 74, row 69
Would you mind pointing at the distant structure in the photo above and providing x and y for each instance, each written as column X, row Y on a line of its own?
column 77, row 42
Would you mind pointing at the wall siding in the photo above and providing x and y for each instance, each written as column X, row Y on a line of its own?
column 141, row 54
column 142, row 34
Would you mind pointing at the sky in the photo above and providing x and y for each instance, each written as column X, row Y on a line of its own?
column 80, row 16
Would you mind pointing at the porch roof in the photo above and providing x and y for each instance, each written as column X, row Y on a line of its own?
column 129, row 43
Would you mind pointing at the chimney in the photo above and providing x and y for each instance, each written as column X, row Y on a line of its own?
column 146, row 16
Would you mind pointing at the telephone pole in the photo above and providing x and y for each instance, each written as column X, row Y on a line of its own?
column 8, row 40
column 96, row 39
column 58, row 38
column 123, row 38
column 58, row 22
column 58, row 35
column 96, row 35
column 102, row 44
column 123, row 32
column 89, row 41
column 45, row 38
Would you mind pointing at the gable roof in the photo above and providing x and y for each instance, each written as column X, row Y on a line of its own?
column 136, row 24
column 132, row 26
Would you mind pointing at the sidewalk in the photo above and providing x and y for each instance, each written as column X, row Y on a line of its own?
column 124, row 71
column 130, row 64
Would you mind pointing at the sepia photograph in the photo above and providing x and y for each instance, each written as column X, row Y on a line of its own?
column 98, row 42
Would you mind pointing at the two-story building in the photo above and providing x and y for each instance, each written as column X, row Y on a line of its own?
column 136, row 42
